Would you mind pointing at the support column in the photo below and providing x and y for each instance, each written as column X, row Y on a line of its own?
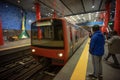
column 107, row 17
column 37, row 7
column 54, row 7
column 1, row 35
column 38, row 17
column 117, row 17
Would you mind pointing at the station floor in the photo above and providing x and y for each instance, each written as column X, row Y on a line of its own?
column 80, row 65
column 110, row 71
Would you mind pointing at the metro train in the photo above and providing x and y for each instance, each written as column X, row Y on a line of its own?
column 55, row 40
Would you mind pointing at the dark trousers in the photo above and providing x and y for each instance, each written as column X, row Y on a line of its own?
column 114, row 58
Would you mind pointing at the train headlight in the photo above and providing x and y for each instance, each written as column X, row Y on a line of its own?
column 60, row 54
column 33, row 50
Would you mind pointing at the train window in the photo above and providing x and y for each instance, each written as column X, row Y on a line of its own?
column 52, row 34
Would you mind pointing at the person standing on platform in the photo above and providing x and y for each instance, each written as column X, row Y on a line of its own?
column 96, row 50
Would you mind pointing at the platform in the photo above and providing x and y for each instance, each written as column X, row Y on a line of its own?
column 68, row 69
column 80, row 65
column 15, row 44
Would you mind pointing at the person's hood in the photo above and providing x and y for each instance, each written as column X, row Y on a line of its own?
column 98, row 33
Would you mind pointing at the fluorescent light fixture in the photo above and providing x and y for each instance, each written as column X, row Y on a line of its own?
column 84, row 18
column 78, row 17
column 52, row 10
column 65, row 17
column 97, row 12
column 96, row 15
column 68, row 19
column 73, row 18
column 89, row 16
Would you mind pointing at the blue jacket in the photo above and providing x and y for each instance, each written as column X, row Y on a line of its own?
column 97, row 44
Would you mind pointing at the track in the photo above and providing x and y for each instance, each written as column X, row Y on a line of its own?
column 25, row 67
column 28, row 69
column 47, row 73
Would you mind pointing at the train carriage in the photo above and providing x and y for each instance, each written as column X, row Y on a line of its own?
column 55, row 40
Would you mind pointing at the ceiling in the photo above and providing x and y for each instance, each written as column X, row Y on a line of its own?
column 74, row 11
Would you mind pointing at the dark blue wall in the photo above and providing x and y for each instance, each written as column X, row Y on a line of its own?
column 30, row 16
column 11, row 17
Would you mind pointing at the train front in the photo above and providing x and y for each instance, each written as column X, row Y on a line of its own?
column 47, row 40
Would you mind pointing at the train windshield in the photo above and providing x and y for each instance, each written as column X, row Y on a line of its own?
column 47, row 34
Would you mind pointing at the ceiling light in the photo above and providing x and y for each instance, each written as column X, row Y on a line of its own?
column 84, row 18
column 93, row 6
column 65, row 18
column 97, row 12
column 49, row 14
column 96, row 15
column 89, row 16
column 78, row 17
column 52, row 10
column 18, row 1
column 33, row 7
column 73, row 18
column 68, row 19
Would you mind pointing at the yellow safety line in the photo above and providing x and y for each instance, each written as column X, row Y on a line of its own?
column 14, row 47
column 80, row 70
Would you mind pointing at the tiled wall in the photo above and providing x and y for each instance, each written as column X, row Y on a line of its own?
column 30, row 17
column 11, row 17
